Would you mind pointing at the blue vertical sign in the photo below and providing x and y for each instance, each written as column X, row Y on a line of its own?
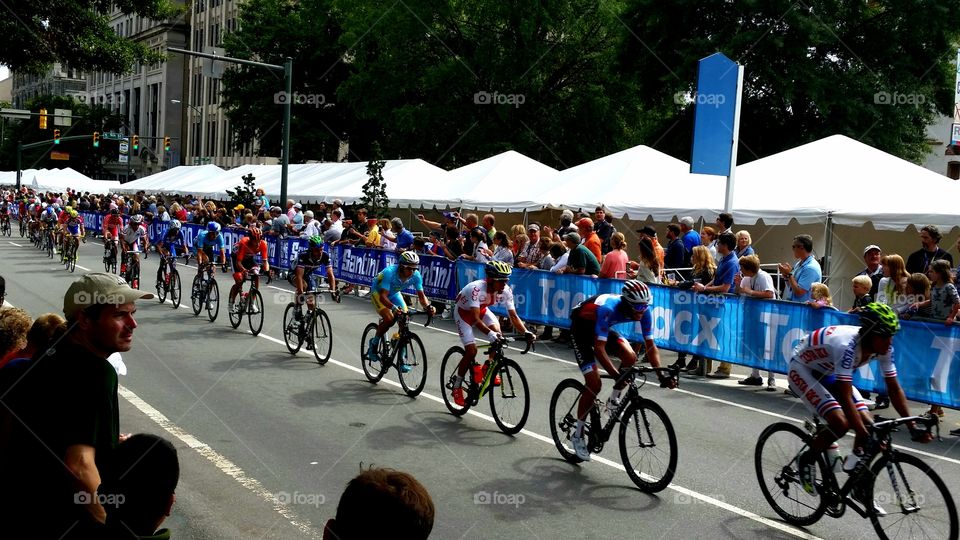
column 716, row 118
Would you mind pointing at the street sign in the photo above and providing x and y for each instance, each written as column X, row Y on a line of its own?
column 124, row 147
column 62, row 156
column 213, row 68
column 715, row 115
column 954, row 134
column 15, row 114
column 61, row 117
column 122, row 158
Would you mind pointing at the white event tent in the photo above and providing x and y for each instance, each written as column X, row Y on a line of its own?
column 172, row 179
column 508, row 182
column 58, row 180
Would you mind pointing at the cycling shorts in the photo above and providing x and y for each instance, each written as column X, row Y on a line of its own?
column 73, row 230
column 812, row 386
column 465, row 329
column 583, row 338
column 396, row 299
column 246, row 262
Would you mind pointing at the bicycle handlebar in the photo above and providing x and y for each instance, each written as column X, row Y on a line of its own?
column 884, row 427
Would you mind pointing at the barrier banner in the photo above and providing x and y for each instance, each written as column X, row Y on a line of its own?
column 745, row 331
column 360, row 265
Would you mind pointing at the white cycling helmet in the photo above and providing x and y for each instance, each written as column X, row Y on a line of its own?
column 136, row 218
column 175, row 224
column 636, row 292
column 409, row 258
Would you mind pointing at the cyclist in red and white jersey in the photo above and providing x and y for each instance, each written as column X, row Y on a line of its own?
column 471, row 312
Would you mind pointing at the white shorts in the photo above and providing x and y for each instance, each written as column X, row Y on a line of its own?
column 813, row 392
column 465, row 329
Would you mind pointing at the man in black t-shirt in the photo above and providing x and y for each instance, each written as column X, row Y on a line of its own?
column 69, row 413
column 919, row 261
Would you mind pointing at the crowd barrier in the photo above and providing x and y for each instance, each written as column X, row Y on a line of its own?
column 745, row 331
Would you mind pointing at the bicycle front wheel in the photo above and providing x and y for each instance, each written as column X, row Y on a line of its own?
column 917, row 502
column 213, row 300
column 373, row 370
column 778, row 449
column 234, row 314
column 510, row 402
column 197, row 293
column 648, row 446
column 563, row 417
column 412, row 365
column 175, row 288
column 448, row 369
column 291, row 329
column 255, row 311
column 161, row 285
column 322, row 333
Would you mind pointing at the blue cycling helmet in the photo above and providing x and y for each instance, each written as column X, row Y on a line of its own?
column 213, row 226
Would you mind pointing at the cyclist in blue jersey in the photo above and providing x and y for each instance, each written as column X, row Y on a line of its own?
column 173, row 242
column 594, row 340
column 386, row 297
column 207, row 244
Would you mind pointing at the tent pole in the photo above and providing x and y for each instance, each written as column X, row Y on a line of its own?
column 828, row 248
column 524, row 219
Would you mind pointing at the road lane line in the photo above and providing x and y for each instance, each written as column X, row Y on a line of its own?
column 15, row 244
column 549, row 440
column 221, row 462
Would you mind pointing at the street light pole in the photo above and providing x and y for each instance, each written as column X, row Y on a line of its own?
column 203, row 131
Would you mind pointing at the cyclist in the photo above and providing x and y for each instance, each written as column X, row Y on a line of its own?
column 48, row 220
column 5, row 212
column 172, row 243
column 594, row 340
column 112, row 224
column 60, row 233
column 247, row 248
column 307, row 261
column 131, row 237
column 73, row 228
column 821, row 373
column 471, row 312
column 207, row 243
column 387, row 300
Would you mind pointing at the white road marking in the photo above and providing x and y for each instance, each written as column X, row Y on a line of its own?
column 15, row 244
column 84, row 268
column 225, row 465
column 548, row 440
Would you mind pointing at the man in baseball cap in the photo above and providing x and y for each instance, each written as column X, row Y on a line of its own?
column 874, row 270
column 101, row 306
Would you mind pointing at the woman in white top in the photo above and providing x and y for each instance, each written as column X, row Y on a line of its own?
column 755, row 283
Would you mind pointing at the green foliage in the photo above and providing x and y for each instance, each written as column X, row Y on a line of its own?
column 245, row 194
column 83, row 156
column 375, row 189
column 77, row 33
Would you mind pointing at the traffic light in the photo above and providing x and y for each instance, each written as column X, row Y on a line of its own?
column 43, row 119
column 56, row 136
column 166, row 144
column 135, row 142
column 96, row 139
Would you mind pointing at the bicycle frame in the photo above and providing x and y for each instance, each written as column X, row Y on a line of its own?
column 498, row 357
column 629, row 377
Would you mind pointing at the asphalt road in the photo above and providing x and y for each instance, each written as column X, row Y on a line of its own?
column 268, row 441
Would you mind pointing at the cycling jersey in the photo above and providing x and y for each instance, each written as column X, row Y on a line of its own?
column 208, row 244
column 309, row 263
column 112, row 223
column 389, row 280
column 246, row 251
column 48, row 217
column 132, row 234
column 475, row 295
column 173, row 239
column 63, row 217
column 73, row 225
column 602, row 310
column 828, row 355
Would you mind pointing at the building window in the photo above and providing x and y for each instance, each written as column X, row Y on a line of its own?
column 953, row 170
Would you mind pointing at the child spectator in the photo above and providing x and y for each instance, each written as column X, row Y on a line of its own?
column 820, row 297
column 944, row 302
column 861, row 292
column 916, row 298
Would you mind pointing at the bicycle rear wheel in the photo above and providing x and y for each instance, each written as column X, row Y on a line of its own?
column 255, row 311
column 213, row 300
column 49, row 245
column 563, row 417
column 510, row 402
column 197, row 295
column 648, row 446
column 322, row 334
column 175, row 289
column 291, row 329
column 373, row 370
column 918, row 503
column 448, row 368
column 413, row 356
column 778, row 473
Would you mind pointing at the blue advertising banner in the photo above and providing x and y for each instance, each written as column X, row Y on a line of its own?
column 715, row 105
column 755, row 333
column 361, row 265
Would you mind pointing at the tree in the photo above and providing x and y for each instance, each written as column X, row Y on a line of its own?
column 245, row 194
column 875, row 71
column 38, row 33
column 375, row 189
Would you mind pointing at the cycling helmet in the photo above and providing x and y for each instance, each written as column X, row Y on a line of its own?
column 255, row 234
column 409, row 258
column 44, row 205
column 73, row 213
column 316, row 241
column 175, row 224
column 69, row 209
column 498, row 270
column 213, row 226
column 636, row 292
column 55, row 207
column 879, row 319
column 136, row 219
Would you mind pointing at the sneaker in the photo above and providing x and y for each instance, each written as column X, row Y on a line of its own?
column 751, row 381
column 807, row 469
column 372, row 351
column 771, row 386
column 309, row 346
column 404, row 367
column 580, row 447
column 457, row 394
column 254, row 309
column 718, row 375
column 857, row 495
column 232, row 308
